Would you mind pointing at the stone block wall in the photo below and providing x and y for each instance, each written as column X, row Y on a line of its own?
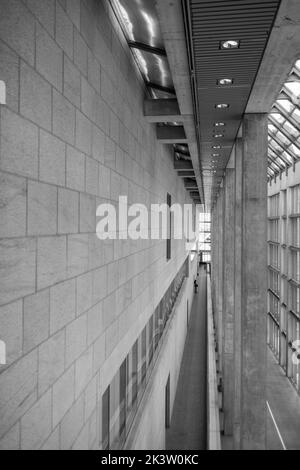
column 72, row 136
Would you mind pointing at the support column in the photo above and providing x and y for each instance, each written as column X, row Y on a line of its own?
column 254, row 283
column 221, row 206
column 228, row 300
column 214, row 254
column 238, row 292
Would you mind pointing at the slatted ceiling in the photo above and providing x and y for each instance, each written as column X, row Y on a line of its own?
column 250, row 22
column 234, row 4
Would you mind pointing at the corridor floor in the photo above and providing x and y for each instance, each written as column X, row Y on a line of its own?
column 283, row 409
column 188, row 424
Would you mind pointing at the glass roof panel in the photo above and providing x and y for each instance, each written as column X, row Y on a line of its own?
column 272, row 128
column 288, row 157
column 290, row 129
column 140, row 24
column 283, row 138
column 286, row 105
column 273, row 167
column 278, row 117
column 296, row 115
column 155, row 68
column 279, row 160
column 294, row 88
column 295, row 150
column 275, row 145
column 297, row 64
column 284, row 124
column 270, row 171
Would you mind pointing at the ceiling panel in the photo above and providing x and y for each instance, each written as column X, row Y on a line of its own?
column 210, row 23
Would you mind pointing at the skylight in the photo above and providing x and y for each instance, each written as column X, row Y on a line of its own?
column 284, row 125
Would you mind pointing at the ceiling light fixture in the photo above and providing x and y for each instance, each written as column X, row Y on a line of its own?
column 215, row 155
column 218, row 136
column 230, row 44
column 222, row 106
column 219, row 124
column 216, row 146
column 225, row 81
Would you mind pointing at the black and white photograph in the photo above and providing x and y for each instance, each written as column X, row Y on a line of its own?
column 149, row 228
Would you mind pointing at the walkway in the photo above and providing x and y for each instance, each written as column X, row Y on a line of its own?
column 284, row 406
column 188, row 425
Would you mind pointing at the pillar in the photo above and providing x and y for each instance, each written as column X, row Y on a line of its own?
column 221, row 220
column 214, row 254
column 254, row 283
column 237, row 292
column 228, row 299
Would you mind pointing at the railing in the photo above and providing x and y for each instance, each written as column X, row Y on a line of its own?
column 138, row 365
column 133, row 429
column 213, row 417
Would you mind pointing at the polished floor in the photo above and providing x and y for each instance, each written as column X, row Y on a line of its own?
column 188, row 424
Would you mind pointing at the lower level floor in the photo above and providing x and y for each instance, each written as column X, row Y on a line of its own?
column 283, row 410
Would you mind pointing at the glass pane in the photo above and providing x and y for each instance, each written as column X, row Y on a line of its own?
column 105, row 420
column 297, row 64
column 288, row 157
column 290, row 129
column 276, row 146
column 273, row 167
column 139, row 22
column 296, row 115
column 293, row 87
column 295, row 150
column 286, row 105
column 283, row 138
column 278, row 117
column 272, row 128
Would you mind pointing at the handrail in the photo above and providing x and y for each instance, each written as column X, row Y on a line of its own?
column 213, row 417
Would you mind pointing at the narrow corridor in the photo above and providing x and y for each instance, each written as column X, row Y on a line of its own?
column 188, row 424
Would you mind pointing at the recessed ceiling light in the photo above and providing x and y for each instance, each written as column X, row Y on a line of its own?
column 218, row 136
column 219, row 124
column 230, row 44
column 222, row 106
column 216, row 146
column 225, row 81
column 215, row 155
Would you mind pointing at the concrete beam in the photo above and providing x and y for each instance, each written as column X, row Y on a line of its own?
column 192, row 185
column 254, row 283
column 183, row 165
column 171, row 135
column 186, row 174
column 164, row 110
